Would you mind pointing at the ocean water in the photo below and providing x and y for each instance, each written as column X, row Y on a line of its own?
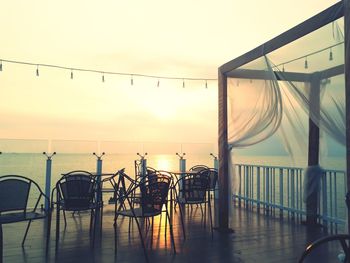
column 33, row 165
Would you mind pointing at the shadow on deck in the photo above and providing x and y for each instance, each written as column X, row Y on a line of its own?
column 257, row 238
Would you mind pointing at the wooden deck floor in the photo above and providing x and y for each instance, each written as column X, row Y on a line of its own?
column 257, row 238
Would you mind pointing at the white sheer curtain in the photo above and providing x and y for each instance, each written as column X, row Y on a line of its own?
column 265, row 98
column 255, row 110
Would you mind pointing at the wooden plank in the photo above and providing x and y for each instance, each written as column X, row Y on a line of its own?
column 327, row 16
column 258, row 238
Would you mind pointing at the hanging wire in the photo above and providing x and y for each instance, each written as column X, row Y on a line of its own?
column 183, row 83
column 103, row 77
column 158, row 83
column 330, row 54
column 105, row 72
column 71, row 74
column 309, row 54
column 132, row 80
column 37, row 70
column 206, row 84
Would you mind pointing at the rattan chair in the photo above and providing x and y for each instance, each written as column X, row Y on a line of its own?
column 199, row 167
column 192, row 189
column 153, row 198
column 313, row 252
column 75, row 192
column 19, row 200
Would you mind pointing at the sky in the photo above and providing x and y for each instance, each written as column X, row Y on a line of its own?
column 180, row 39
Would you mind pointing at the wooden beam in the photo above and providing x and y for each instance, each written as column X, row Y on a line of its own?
column 332, row 72
column 223, row 155
column 314, row 147
column 347, row 96
column 266, row 75
column 327, row 16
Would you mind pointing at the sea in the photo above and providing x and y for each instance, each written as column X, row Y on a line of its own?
column 33, row 165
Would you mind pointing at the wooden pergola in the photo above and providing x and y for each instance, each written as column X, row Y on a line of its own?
column 231, row 70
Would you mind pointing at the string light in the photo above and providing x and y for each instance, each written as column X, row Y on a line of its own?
column 306, row 64
column 310, row 54
column 71, row 69
column 330, row 55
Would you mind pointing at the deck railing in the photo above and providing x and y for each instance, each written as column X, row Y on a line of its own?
column 280, row 190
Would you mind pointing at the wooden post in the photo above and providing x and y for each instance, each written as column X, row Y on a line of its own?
column 347, row 93
column 223, row 155
column 314, row 145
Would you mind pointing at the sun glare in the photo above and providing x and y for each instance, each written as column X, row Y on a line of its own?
column 162, row 163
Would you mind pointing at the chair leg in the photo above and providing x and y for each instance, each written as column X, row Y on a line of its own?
column 1, row 244
column 171, row 231
column 48, row 231
column 94, row 226
column 65, row 220
column 92, row 216
column 182, row 221
column 152, row 231
column 211, row 219
column 115, row 240
column 142, row 241
column 57, row 225
column 25, row 234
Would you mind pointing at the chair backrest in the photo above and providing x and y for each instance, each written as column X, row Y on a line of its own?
column 199, row 167
column 154, row 192
column 77, row 190
column 193, row 187
column 213, row 178
column 15, row 191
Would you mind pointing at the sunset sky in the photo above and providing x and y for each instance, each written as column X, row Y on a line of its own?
column 182, row 39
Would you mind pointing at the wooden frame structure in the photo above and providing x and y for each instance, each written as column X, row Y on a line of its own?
column 231, row 69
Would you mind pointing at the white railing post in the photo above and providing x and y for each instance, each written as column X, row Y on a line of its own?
column 99, row 175
column 143, row 164
column 182, row 166
column 216, row 167
column 258, row 186
column 48, row 179
column 324, row 199
column 281, row 191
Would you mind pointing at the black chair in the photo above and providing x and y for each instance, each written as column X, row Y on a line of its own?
column 192, row 189
column 75, row 192
column 314, row 251
column 199, row 167
column 19, row 200
column 213, row 178
column 154, row 196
